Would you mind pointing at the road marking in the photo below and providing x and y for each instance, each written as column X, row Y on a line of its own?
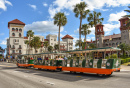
column 5, row 66
column 78, row 76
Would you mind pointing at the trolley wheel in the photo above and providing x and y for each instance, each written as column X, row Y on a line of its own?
column 39, row 68
column 101, row 75
column 71, row 72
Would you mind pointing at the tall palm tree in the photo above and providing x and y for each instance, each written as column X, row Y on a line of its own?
column 94, row 20
column 85, row 31
column 46, row 44
column 56, row 47
column 50, row 48
column 128, row 22
column 59, row 20
column 79, row 10
column 36, row 43
column 30, row 34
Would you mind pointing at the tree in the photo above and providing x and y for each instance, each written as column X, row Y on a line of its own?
column 124, row 47
column 50, row 48
column 92, row 45
column 85, row 31
column 128, row 22
column 30, row 34
column 56, row 46
column 36, row 43
column 82, row 44
column 79, row 10
column 59, row 20
column 46, row 44
column 93, row 20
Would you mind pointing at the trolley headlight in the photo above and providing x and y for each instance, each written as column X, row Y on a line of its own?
column 90, row 63
column 108, row 64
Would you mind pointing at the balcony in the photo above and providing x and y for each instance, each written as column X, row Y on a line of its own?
column 62, row 46
column 62, row 49
column 13, row 48
column 17, row 53
column 20, row 48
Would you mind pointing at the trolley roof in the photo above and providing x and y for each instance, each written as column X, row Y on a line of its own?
column 94, row 50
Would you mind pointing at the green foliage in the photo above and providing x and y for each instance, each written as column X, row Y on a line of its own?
column 56, row 46
column 36, row 43
column 124, row 47
column 92, row 45
column 113, row 56
column 128, row 22
column 50, row 48
column 46, row 44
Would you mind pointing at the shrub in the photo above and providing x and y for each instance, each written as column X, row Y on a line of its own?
column 123, row 61
column 113, row 56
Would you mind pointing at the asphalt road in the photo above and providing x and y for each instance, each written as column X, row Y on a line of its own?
column 13, row 77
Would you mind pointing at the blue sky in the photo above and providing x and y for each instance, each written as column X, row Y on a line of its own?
column 38, row 16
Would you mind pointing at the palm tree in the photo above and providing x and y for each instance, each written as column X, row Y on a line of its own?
column 128, row 22
column 85, row 31
column 56, row 46
column 46, row 44
column 36, row 43
column 59, row 20
column 50, row 48
column 94, row 20
column 79, row 9
column 27, row 42
column 30, row 34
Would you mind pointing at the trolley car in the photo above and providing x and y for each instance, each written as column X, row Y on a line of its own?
column 91, row 61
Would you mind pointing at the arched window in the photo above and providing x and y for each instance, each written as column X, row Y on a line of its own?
column 13, row 29
column 13, row 34
column 20, row 30
column 19, row 34
column 16, row 29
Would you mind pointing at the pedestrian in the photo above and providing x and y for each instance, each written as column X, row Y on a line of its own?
column 65, row 58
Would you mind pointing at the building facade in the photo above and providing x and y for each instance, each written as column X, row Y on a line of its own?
column 16, row 41
column 115, row 39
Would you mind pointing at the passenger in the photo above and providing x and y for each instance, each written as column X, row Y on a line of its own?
column 65, row 58
column 31, row 58
column 57, row 58
column 60, row 58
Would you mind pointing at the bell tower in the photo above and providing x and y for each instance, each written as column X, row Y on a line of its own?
column 99, row 35
column 125, row 33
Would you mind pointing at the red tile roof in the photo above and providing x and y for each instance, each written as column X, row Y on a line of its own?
column 16, row 21
column 112, row 36
column 67, row 36
column 25, row 37
column 46, row 40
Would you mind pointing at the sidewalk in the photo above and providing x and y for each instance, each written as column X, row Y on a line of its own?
column 125, row 68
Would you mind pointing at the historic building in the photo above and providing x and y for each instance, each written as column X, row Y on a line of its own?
column 112, row 40
column 16, row 41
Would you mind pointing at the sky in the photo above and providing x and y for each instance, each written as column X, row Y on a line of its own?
column 38, row 16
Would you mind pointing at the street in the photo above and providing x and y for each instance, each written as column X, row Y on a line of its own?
column 13, row 77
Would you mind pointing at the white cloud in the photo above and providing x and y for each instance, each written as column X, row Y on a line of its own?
column 3, row 42
column 3, row 4
column 43, row 27
column 116, row 16
column 1, row 33
column 45, row 4
column 60, row 5
column 33, row 6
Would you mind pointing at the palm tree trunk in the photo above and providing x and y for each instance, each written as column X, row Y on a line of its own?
column 96, row 37
column 80, row 33
column 85, row 42
column 59, row 38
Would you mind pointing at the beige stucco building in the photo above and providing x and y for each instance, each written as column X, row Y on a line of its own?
column 16, row 41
